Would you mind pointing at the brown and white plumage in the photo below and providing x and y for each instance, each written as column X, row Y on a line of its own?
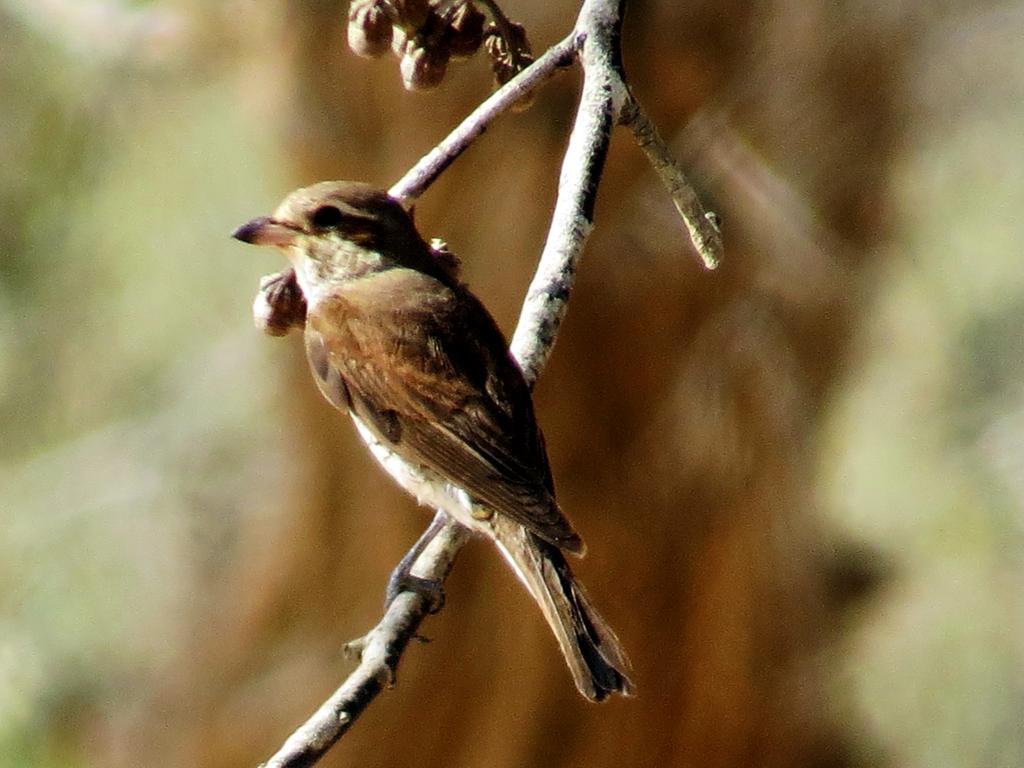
column 448, row 400
column 395, row 338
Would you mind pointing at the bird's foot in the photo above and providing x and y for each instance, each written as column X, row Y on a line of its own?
column 403, row 580
column 430, row 590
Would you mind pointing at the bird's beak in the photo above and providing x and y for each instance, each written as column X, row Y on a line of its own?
column 266, row 231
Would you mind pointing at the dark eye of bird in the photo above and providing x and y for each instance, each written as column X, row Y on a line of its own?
column 326, row 217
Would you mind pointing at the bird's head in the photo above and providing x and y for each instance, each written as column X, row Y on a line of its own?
column 338, row 230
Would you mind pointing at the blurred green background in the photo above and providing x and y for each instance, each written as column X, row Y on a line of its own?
column 146, row 425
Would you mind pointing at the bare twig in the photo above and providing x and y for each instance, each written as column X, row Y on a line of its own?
column 703, row 226
column 547, row 299
column 434, row 163
column 379, row 651
column 594, row 41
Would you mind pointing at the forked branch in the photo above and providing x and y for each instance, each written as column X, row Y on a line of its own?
column 605, row 101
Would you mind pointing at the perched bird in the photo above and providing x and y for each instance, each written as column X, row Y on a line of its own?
column 394, row 338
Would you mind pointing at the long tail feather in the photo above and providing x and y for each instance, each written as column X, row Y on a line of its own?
column 596, row 660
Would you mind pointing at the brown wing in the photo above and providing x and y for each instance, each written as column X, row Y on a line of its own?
column 424, row 365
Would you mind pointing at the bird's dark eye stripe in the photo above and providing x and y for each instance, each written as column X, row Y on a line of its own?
column 327, row 216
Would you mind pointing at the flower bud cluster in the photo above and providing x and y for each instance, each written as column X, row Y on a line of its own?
column 426, row 35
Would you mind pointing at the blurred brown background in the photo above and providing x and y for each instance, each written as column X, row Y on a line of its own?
column 800, row 476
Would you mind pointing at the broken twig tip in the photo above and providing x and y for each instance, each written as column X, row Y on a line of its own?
column 711, row 250
column 704, row 227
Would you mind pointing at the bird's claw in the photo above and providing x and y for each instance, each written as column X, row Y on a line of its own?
column 430, row 590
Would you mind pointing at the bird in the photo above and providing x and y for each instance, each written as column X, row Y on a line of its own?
column 396, row 340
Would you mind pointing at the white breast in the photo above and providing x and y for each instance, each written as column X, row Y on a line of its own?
column 434, row 491
column 428, row 487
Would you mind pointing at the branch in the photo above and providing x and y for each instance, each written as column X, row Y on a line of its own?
column 703, row 226
column 434, row 163
column 547, row 299
column 379, row 651
column 595, row 42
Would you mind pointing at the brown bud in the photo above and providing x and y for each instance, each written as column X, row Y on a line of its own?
column 465, row 29
column 510, row 56
column 369, row 28
column 279, row 305
column 423, row 68
column 412, row 14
